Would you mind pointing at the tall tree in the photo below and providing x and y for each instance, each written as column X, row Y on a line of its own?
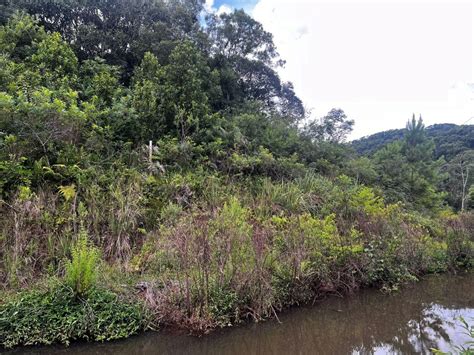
column 334, row 127
column 243, row 50
column 119, row 31
column 322, row 142
column 408, row 171
column 173, row 98
column 460, row 171
column 39, row 100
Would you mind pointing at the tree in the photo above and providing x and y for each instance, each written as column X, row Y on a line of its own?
column 237, row 35
column 245, row 53
column 407, row 169
column 147, row 101
column 99, row 82
column 362, row 169
column 18, row 35
column 39, row 105
column 290, row 105
column 334, row 127
column 390, row 164
column 460, row 178
column 119, row 31
column 424, row 172
column 173, row 98
column 471, row 197
column 188, row 80
column 417, row 146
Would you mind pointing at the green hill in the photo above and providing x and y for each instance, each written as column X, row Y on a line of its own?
column 450, row 139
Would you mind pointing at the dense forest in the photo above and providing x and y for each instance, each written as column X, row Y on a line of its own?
column 155, row 171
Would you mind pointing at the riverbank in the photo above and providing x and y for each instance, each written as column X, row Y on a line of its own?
column 203, row 272
column 421, row 316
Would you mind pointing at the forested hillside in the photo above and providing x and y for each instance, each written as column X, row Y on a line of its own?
column 449, row 139
column 453, row 146
column 155, row 171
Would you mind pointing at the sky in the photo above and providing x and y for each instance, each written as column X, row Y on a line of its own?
column 380, row 61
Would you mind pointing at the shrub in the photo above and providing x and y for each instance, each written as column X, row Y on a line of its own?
column 223, row 305
column 12, row 174
column 56, row 315
column 81, row 271
column 231, row 239
column 364, row 199
column 436, row 254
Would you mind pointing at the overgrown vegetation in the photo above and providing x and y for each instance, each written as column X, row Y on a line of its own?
column 56, row 315
column 167, row 162
column 454, row 146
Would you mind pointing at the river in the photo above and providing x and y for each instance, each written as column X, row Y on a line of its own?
column 420, row 317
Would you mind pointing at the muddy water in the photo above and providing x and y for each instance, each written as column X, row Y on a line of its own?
column 420, row 317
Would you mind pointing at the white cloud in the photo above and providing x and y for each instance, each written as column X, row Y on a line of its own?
column 224, row 9
column 380, row 61
column 210, row 8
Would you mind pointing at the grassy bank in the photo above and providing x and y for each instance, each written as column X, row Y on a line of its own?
column 235, row 251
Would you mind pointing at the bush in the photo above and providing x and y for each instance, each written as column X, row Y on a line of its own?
column 223, row 305
column 56, row 315
column 81, row 271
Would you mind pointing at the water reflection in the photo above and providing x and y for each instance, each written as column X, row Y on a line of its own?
column 421, row 317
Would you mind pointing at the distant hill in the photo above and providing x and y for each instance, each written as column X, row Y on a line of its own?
column 450, row 139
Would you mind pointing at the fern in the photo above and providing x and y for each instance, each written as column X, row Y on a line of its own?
column 68, row 192
column 81, row 271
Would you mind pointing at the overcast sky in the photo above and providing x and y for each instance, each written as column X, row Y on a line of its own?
column 380, row 61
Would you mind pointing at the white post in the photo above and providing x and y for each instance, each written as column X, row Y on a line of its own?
column 150, row 150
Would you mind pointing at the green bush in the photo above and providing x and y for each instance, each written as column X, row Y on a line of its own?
column 81, row 271
column 56, row 315
column 223, row 305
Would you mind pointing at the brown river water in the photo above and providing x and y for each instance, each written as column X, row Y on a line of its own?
column 420, row 317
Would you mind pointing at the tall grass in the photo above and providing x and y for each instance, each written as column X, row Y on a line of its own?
column 238, row 250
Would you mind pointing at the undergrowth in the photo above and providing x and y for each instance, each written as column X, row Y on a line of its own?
column 57, row 315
